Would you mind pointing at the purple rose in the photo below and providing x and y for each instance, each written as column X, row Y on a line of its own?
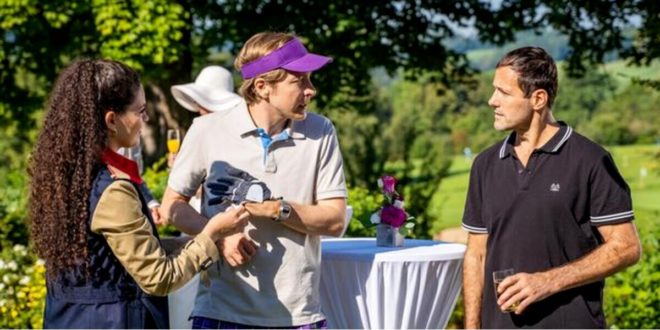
column 393, row 216
column 389, row 183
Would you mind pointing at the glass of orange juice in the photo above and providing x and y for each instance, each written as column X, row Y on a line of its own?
column 173, row 140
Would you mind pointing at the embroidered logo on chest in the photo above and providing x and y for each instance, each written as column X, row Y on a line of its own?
column 555, row 187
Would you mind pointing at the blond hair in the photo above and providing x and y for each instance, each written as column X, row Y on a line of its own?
column 257, row 46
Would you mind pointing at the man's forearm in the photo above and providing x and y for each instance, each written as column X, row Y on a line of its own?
column 473, row 283
column 619, row 250
column 324, row 218
column 180, row 214
column 316, row 219
column 185, row 218
column 609, row 258
column 473, row 279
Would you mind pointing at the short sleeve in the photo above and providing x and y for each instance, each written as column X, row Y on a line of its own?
column 189, row 171
column 610, row 201
column 330, row 181
column 472, row 220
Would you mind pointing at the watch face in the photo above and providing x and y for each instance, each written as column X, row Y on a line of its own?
column 285, row 210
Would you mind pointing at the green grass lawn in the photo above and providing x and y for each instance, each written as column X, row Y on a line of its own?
column 447, row 204
column 622, row 72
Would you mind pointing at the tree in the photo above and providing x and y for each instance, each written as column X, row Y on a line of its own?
column 40, row 38
column 579, row 98
column 417, row 144
column 160, row 37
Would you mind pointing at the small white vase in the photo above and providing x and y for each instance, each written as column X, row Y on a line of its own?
column 389, row 236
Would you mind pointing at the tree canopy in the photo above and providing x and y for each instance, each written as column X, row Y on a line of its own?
column 166, row 39
column 39, row 37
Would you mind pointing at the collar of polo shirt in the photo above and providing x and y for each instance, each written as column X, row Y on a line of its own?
column 246, row 127
column 552, row 146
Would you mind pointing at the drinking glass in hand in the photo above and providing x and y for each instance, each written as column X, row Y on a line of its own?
column 173, row 140
column 498, row 277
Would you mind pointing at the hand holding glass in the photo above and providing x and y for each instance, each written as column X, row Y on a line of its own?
column 498, row 277
column 173, row 140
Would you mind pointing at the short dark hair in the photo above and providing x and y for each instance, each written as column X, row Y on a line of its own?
column 536, row 70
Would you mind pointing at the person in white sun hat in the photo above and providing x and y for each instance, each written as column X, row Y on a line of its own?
column 212, row 91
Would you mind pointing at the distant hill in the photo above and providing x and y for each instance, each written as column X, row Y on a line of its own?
column 484, row 56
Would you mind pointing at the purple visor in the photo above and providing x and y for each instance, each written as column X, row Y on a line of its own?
column 291, row 56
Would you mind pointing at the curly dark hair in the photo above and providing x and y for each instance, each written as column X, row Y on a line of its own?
column 67, row 157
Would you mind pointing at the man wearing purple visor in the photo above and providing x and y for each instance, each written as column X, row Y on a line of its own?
column 292, row 56
column 271, row 271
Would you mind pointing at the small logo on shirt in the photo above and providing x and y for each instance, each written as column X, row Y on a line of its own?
column 555, row 187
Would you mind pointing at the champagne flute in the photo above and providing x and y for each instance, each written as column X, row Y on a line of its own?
column 173, row 140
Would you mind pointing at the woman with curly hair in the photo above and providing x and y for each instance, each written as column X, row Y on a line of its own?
column 106, row 267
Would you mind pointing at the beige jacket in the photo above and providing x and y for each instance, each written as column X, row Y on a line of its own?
column 119, row 219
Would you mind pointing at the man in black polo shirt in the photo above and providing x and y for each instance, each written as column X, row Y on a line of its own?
column 546, row 202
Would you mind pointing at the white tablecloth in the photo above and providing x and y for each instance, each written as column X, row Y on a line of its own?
column 365, row 286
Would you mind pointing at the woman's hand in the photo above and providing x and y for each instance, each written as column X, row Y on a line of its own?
column 228, row 222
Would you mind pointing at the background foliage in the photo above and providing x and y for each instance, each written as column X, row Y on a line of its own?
column 22, row 289
column 632, row 298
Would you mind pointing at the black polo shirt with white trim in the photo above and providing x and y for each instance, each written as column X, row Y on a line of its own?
column 543, row 216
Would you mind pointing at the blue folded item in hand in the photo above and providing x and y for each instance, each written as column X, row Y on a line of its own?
column 228, row 185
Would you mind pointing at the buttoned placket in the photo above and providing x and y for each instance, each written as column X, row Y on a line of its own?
column 525, row 172
column 267, row 142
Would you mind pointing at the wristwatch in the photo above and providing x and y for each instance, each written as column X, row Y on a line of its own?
column 285, row 211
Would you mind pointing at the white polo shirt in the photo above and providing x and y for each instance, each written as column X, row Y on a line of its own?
column 280, row 285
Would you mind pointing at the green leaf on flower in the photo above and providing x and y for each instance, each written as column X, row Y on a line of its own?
column 365, row 220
